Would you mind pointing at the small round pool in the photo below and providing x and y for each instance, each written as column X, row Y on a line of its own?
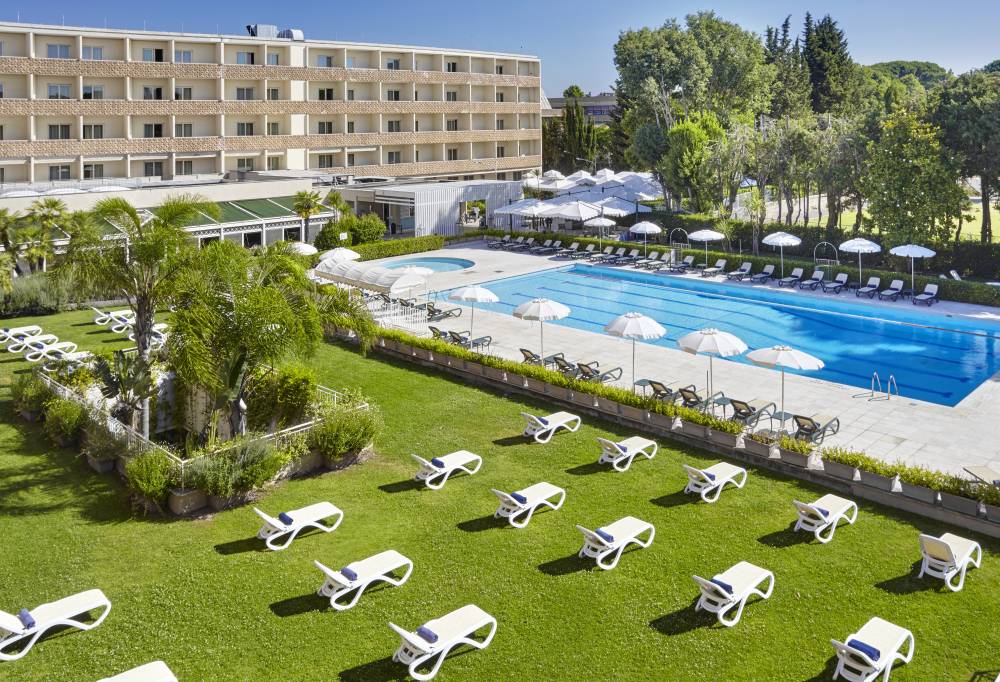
column 435, row 263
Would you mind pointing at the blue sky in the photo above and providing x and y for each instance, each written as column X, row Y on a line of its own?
column 574, row 38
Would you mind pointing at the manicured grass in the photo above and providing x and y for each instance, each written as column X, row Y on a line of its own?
column 203, row 595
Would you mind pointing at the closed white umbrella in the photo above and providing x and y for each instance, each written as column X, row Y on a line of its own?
column 912, row 251
column 340, row 253
column 784, row 357
column 706, row 236
column 781, row 240
column 541, row 309
column 302, row 249
column 712, row 342
column 860, row 246
column 635, row 326
column 645, row 228
column 473, row 294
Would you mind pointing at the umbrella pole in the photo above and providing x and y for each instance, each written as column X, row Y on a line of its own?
column 782, row 398
column 633, row 365
column 711, row 375
column 782, row 248
column 913, row 274
column 472, row 324
column 541, row 330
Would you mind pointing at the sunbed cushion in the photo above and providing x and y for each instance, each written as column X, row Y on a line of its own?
column 519, row 497
column 348, row 573
column 438, row 463
column 605, row 535
column 709, row 475
column 543, row 421
column 26, row 620
column 621, row 448
column 823, row 512
column 427, row 634
column 867, row 649
column 285, row 519
column 726, row 587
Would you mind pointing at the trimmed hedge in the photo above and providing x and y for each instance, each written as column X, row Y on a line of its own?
column 399, row 247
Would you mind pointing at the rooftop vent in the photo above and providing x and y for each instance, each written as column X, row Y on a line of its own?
column 292, row 34
column 262, row 30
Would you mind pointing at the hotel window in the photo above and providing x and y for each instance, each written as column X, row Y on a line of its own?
column 326, row 94
column 59, row 92
column 393, row 126
column 350, row 126
column 392, row 95
column 453, row 154
column 150, row 54
column 326, row 160
column 184, row 167
column 244, row 128
column 1, row 90
column 93, row 131
column 272, row 59
column 501, row 176
column 59, row 173
column 183, row 130
column 182, row 93
column 517, row 175
column 93, row 92
column 499, row 97
column 152, row 130
column 93, row 171
column 273, row 128
column 324, row 61
column 273, row 94
column 500, row 124
column 1, row 48
column 244, row 164
column 393, row 157
column 244, row 57
column 152, row 169
column 273, row 163
column 57, row 51
column 451, row 125
column 416, row 95
column 451, row 96
column 1, row 132
column 350, row 95
column 183, row 56
column 152, row 92
column 350, row 159
column 500, row 152
column 416, row 126
column 451, row 67
column 244, row 94
column 416, row 155
column 392, row 65
column 93, row 53
column 325, row 127
column 59, row 132
column 499, row 69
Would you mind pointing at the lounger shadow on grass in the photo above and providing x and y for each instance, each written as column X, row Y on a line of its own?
column 676, row 499
column 481, row 524
column 382, row 670
column 683, row 620
column 786, row 537
column 588, row 469
column 827, row 673
column 401, row 486
column 296, row 606
column 909, row 583
column 512, row 440
column 251, row 544
column 566, row 565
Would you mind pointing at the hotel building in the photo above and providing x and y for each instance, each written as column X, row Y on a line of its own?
column 91, row 104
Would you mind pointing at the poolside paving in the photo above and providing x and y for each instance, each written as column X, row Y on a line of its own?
column 896, row 429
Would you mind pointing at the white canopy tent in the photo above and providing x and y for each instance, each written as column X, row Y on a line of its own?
column 370, row 277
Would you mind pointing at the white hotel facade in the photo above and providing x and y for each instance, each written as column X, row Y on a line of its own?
column 81, row 104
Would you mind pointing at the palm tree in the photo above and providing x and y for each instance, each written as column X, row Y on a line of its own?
column 46, row 217
column 306, row 205
column 8, row 223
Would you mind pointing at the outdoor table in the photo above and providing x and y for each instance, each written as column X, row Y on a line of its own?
column 906, row 293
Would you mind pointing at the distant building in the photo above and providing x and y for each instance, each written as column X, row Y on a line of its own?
column 599, row 107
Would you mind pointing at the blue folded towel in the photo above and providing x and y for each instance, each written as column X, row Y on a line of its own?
column 26, row 620
column 822, row 511
column 519, row 497
column 621, row 448
column 726, row 587
column 608, row 537
column 427, row 634
column 543, row 420
column 867, row 649
column 285, row 519
column 438, row 463
column 348, row 573
column 709, row 475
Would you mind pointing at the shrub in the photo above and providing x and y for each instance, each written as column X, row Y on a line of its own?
column 329, row 237
column 29, row 393
column 344, row 430
column 64, row 421
column 725, row 425
column 765, row 437
column 294, row 447
column 151, row 474
column 281, row 397
column 796, row 445
column 99, row 443
column 242, row 466
column 399, row 247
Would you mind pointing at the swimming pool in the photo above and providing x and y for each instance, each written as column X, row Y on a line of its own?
column 435, row 263
column 934, row 358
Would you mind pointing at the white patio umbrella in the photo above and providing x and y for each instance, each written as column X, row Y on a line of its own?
column 784, row 357
column 600, row 223
column 417, row 270
column 781, row 240
column 645, row 228
column 302, row 249
column 340, row 253
column 578, row 211
column 473, row 294
column 635, row 326
column 553, row 175
column 541, row 309
column 706, row 236
column 712, row 342
column 860, row 246
column 912, row 251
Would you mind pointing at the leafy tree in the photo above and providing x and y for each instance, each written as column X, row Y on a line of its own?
column 306, row 204
column 8, row 226
column 553, row 143
column 791, row 92
column 729, row 158
column 685, row 165
column 573, row 92
column 621, row 139
column 992, row 67
column 831, row 70
column 579, row 136
column 928, row 74
column 329, row 236
column 127, row 378
column 911, row 182
column 364, row 229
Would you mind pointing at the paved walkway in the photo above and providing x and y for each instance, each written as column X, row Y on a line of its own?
column 900, row 429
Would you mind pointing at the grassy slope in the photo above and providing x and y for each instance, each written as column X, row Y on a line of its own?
column 204, row 597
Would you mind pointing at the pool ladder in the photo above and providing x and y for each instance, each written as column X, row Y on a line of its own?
column 889, row 387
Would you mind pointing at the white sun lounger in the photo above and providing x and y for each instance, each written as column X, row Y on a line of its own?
column 63, row 359
column 357, row 576
column 823, row 515
column 24, row 343
column 11, row 334
column 28, row 626
column 947, row 557
column 519, row 506
column 435, row 473
column 871, row 651
column 292, row 523
column 709, row 482
column 732, row 589
column 611, row 540
column 543, row 428
column 620, row 455
column 435, row 638
column 115, row 317
column 49, row 351
column 157, row 671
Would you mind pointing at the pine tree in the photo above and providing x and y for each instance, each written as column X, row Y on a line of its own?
column 831, row 70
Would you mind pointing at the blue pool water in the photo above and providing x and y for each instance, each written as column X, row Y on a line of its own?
column 934, row 358
column 437, row 264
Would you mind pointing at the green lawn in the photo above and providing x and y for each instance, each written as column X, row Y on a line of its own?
column 203, row 595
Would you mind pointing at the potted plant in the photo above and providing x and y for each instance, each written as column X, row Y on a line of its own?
column 515, row 380
column 841, row 462
column 725, row 432
column 760, row 443
column 958, row 494
column 29, row 395
column 64, row 421
column 989, row 495
column 184, row 501
column 693, row 423
column 493, row 373
column 100, row 447
column 795, row 451
column 661, row 416
column 919, row 483
column 344, row 434
column 301, row 459
column 150, row 475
